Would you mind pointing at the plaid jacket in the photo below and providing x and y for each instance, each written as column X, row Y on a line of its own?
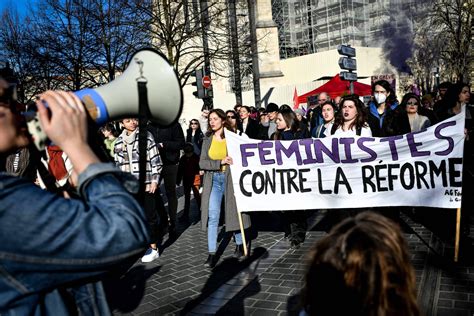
column 153, row 161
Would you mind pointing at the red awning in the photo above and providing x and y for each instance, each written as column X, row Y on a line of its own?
column 337, row 87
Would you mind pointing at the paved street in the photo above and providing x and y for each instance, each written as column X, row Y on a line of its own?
column 268, row 282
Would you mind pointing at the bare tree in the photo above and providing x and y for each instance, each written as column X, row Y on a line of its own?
column 24, row 55
column 61, row 30
column 426, row 54
column 175, row 28
column 116, row 36
column 83, row 43
column 70, row 44
column 453, row 19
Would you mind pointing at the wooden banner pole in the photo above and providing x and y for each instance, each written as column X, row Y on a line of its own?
column 242, row 231
column 458, row 233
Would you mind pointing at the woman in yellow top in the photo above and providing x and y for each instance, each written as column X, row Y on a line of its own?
column 217, row 184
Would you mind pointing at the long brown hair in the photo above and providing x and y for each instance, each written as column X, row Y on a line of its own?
column 290, row 120
column 361, row 117
column 238, row 124
column 221, row 114
column 361, row 268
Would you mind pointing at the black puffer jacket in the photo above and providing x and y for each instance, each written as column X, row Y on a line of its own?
column 172, row 139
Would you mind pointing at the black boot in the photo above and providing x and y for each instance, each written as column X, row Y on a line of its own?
column 172, row 233
column 184, row 218
column 239, row 251
column 211, row 261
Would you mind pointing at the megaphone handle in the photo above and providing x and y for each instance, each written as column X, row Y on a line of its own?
column 143, row 112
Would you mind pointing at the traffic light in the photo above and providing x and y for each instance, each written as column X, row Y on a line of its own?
column 199, row 93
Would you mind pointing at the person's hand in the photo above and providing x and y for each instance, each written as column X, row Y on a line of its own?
column 227, row 161
column 66, row 195
column 153, row 187
column 73, row 179
column 66, row 125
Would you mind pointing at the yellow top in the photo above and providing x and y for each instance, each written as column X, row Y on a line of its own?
column 218, row 149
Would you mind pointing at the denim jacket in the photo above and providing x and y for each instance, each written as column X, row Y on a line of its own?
column 52, row 250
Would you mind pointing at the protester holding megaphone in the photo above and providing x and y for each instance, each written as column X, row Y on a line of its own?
column 49, row 242
column 54, row 249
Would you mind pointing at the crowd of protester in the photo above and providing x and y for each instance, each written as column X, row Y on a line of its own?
column 198, row 159
column 56, row 248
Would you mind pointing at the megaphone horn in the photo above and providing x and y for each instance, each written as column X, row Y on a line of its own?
column 119, row 98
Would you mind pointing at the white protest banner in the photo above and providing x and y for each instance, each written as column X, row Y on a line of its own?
column 415, row 169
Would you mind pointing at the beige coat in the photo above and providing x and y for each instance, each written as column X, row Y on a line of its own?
column 209, row 166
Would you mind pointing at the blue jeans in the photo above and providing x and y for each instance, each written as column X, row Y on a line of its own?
column 215, row 200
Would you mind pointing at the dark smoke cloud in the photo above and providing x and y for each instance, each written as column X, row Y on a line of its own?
column 398, row 32
column 398, row 43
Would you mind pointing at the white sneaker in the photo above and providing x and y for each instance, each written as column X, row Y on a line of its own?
column 150, row 255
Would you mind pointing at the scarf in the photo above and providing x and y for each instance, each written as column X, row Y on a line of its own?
column 417, row 122
column 130, row 138
column 128, row 142
column 56, row 163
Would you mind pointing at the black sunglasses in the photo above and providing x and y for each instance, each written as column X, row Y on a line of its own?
column 231, row 117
